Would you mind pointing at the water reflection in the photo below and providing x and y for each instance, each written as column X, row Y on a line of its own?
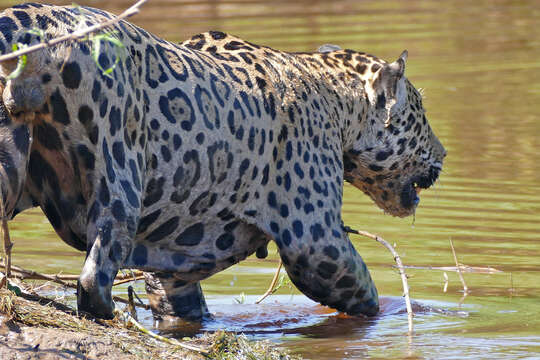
column 478, row 62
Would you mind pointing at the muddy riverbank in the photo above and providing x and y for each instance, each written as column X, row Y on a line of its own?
column 33, row 327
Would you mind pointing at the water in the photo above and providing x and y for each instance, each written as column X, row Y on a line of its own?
column 479, row 65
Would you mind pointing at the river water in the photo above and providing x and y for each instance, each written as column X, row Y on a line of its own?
column 478, row 62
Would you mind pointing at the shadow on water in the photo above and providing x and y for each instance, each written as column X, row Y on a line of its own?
column 292, row 316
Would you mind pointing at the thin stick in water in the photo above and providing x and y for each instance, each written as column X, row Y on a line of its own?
column 26, row 274
column 465, row 288
column 7, row 241
column 399, row 264
column 130, row 320
column 463, row 268
column 272, row 284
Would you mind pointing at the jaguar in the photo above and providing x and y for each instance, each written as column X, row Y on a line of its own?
column 184, row 159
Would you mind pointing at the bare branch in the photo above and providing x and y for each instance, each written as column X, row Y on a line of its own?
column 130, row 320
column 7, row 241
column 128, row 279
column 272, row 284
column 30, row 274
column 465, row 288
column 461, row 267
column 120, row 278
column 76, row 35
column 399, row 265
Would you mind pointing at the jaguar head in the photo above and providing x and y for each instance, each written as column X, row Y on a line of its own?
column 395, row 154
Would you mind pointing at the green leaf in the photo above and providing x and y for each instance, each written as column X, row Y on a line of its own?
column 37, row 32
column 96, row 47
column 21, row 62
column 241, row 299
column 115, row 42
column 118, row 46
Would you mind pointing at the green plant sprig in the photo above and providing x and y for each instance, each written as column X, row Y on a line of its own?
column 21, row 62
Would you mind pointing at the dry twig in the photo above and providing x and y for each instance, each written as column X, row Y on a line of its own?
column 128, row 279
column 130, row 320
column 399, row 265
column 7, row 242
column 271, row 289
column 76, row 35
column 461, row 267
column 465, row 288
column 30, row 274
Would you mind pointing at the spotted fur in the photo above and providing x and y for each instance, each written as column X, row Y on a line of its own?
column 188, row 158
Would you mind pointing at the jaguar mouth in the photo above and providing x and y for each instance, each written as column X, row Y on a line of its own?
column 410, row 193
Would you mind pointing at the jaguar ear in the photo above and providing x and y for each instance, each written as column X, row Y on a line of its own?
column 395, row 71
column 399, row 64
column 326, row 48
column 386, row 84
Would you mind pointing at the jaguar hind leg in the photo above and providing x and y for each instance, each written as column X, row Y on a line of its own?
column 173, row 300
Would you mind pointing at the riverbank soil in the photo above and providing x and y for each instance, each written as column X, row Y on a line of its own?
column 33, row 327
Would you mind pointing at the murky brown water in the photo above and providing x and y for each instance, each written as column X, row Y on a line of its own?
column 479, row 62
